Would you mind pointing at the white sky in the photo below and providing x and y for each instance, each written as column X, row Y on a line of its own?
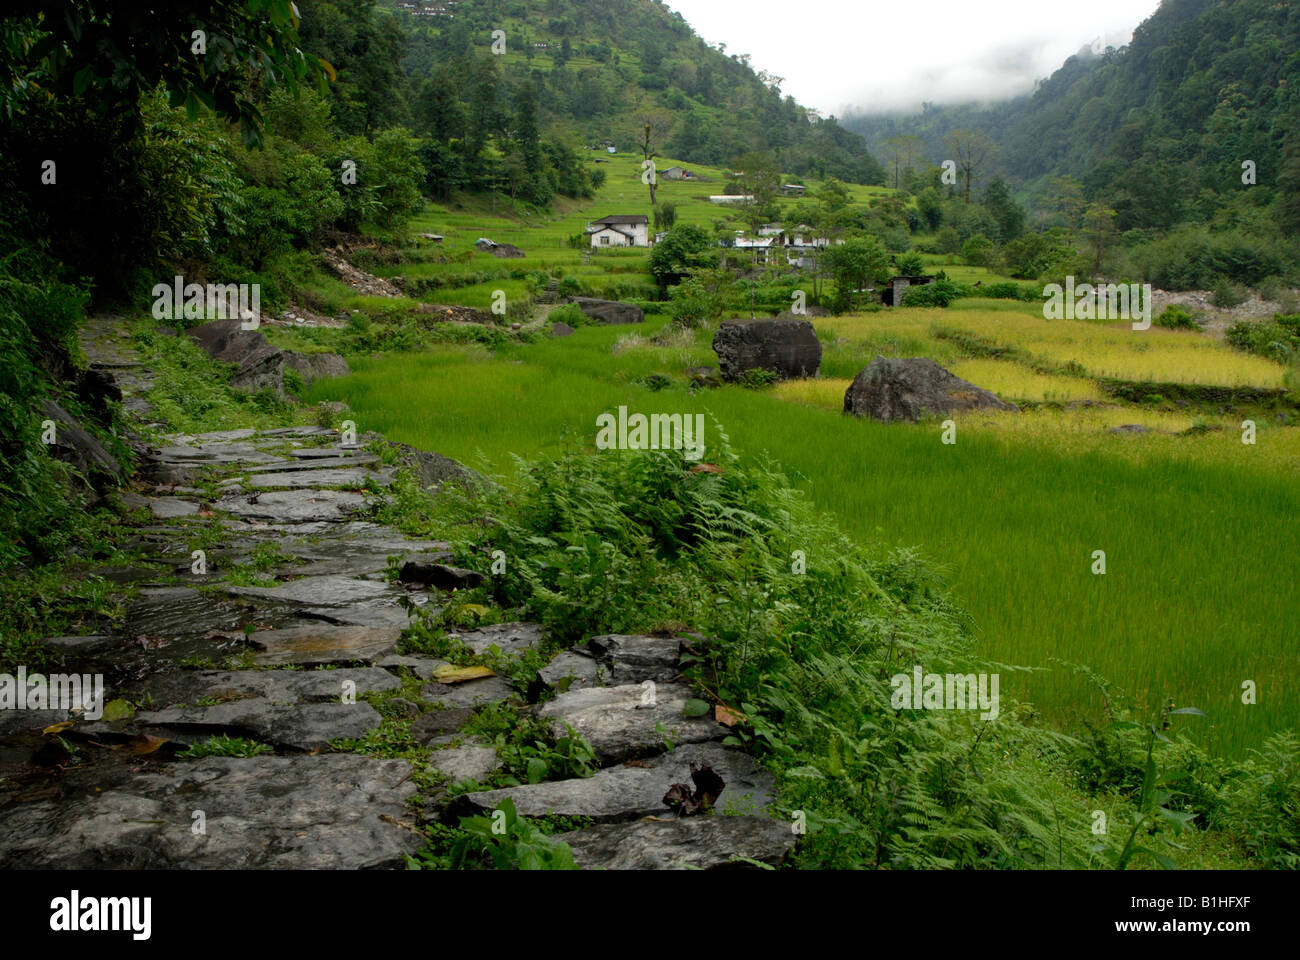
column 883, row 55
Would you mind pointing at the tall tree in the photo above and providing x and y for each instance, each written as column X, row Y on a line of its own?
column 970, row 150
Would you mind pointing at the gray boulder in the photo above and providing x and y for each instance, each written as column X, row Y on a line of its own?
column 73, row 445
column 259, row 365
column 787, row 347
column 316, row 366
column 910, row 388
column 609, row 312
column 433, row 469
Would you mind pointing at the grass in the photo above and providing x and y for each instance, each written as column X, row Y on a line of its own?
column 1200, row 549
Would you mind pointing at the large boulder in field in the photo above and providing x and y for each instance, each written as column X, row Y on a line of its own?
column 910, row 388
column 316, row 366
column 260, row 365
column 609, row 312
column 787, row 347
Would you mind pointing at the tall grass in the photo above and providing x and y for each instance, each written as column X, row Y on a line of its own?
column 1201, row 556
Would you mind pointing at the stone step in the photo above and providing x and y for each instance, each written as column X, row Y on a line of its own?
column 334, row 811
column 634, row 790
column 685, row 843
column 629, row 720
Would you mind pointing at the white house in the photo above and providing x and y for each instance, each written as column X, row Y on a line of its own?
column 620, row 230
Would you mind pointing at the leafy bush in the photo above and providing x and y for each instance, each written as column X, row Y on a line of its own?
column 940, row 293
column 1005, row 290
column 569, row 313
column 1175, row 317
column 909, row 264
column 1262, row 804
column 1278, row 339
column 1228, row 294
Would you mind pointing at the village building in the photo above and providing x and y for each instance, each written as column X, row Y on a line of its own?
column 897, row 286
column 620, row 230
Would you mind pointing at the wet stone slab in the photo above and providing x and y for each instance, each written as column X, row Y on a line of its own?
column 510, row 638
column 619, row 723
column 634, row 659
column 571, row 670
column 468, row 762
column 170, row 508
column 701, row 843
column 472, row 693
column 276, row 686
column 635, row 789
column 308, row 726
column 334, row 811
column 354, row 479
column 323, row 644
column 293, row 506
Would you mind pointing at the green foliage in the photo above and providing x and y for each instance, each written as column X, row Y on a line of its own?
column 571, row 314
column 223, row 746
column 623, row 541
column 117, row 53
column 909, row 264
column 679, row 254
column 756, row 378
column 506, row 841
column 856, row 264
column 1175, row 317
column 940, row 293
column 1278, row 339
column 1262, row 804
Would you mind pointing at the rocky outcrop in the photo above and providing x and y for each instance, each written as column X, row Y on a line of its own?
column 72, row 444
column 259, row 366
column 316, row 366
column 911, row 388
column 788, row 348
column 609, row 312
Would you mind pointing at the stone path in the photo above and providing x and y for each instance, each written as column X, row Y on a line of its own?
column 295, row 598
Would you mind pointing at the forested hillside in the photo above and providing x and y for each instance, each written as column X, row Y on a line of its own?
column 591, row 72
column 1160, row 128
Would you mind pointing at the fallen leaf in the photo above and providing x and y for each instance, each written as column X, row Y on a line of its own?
column 117, row 710
column 58, row 727
column 728, row 717
column 450, row 674
column 142, row 744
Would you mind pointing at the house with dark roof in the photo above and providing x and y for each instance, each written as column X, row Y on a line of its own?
column 620, row 230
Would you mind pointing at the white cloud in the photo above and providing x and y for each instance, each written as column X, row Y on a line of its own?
column 880, row 56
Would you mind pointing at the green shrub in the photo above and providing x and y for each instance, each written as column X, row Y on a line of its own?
column 1262, row 804
column 940, row 293
column 1278, row 339
column 571, row 314
column 1228, row 294
column 1175, row 317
